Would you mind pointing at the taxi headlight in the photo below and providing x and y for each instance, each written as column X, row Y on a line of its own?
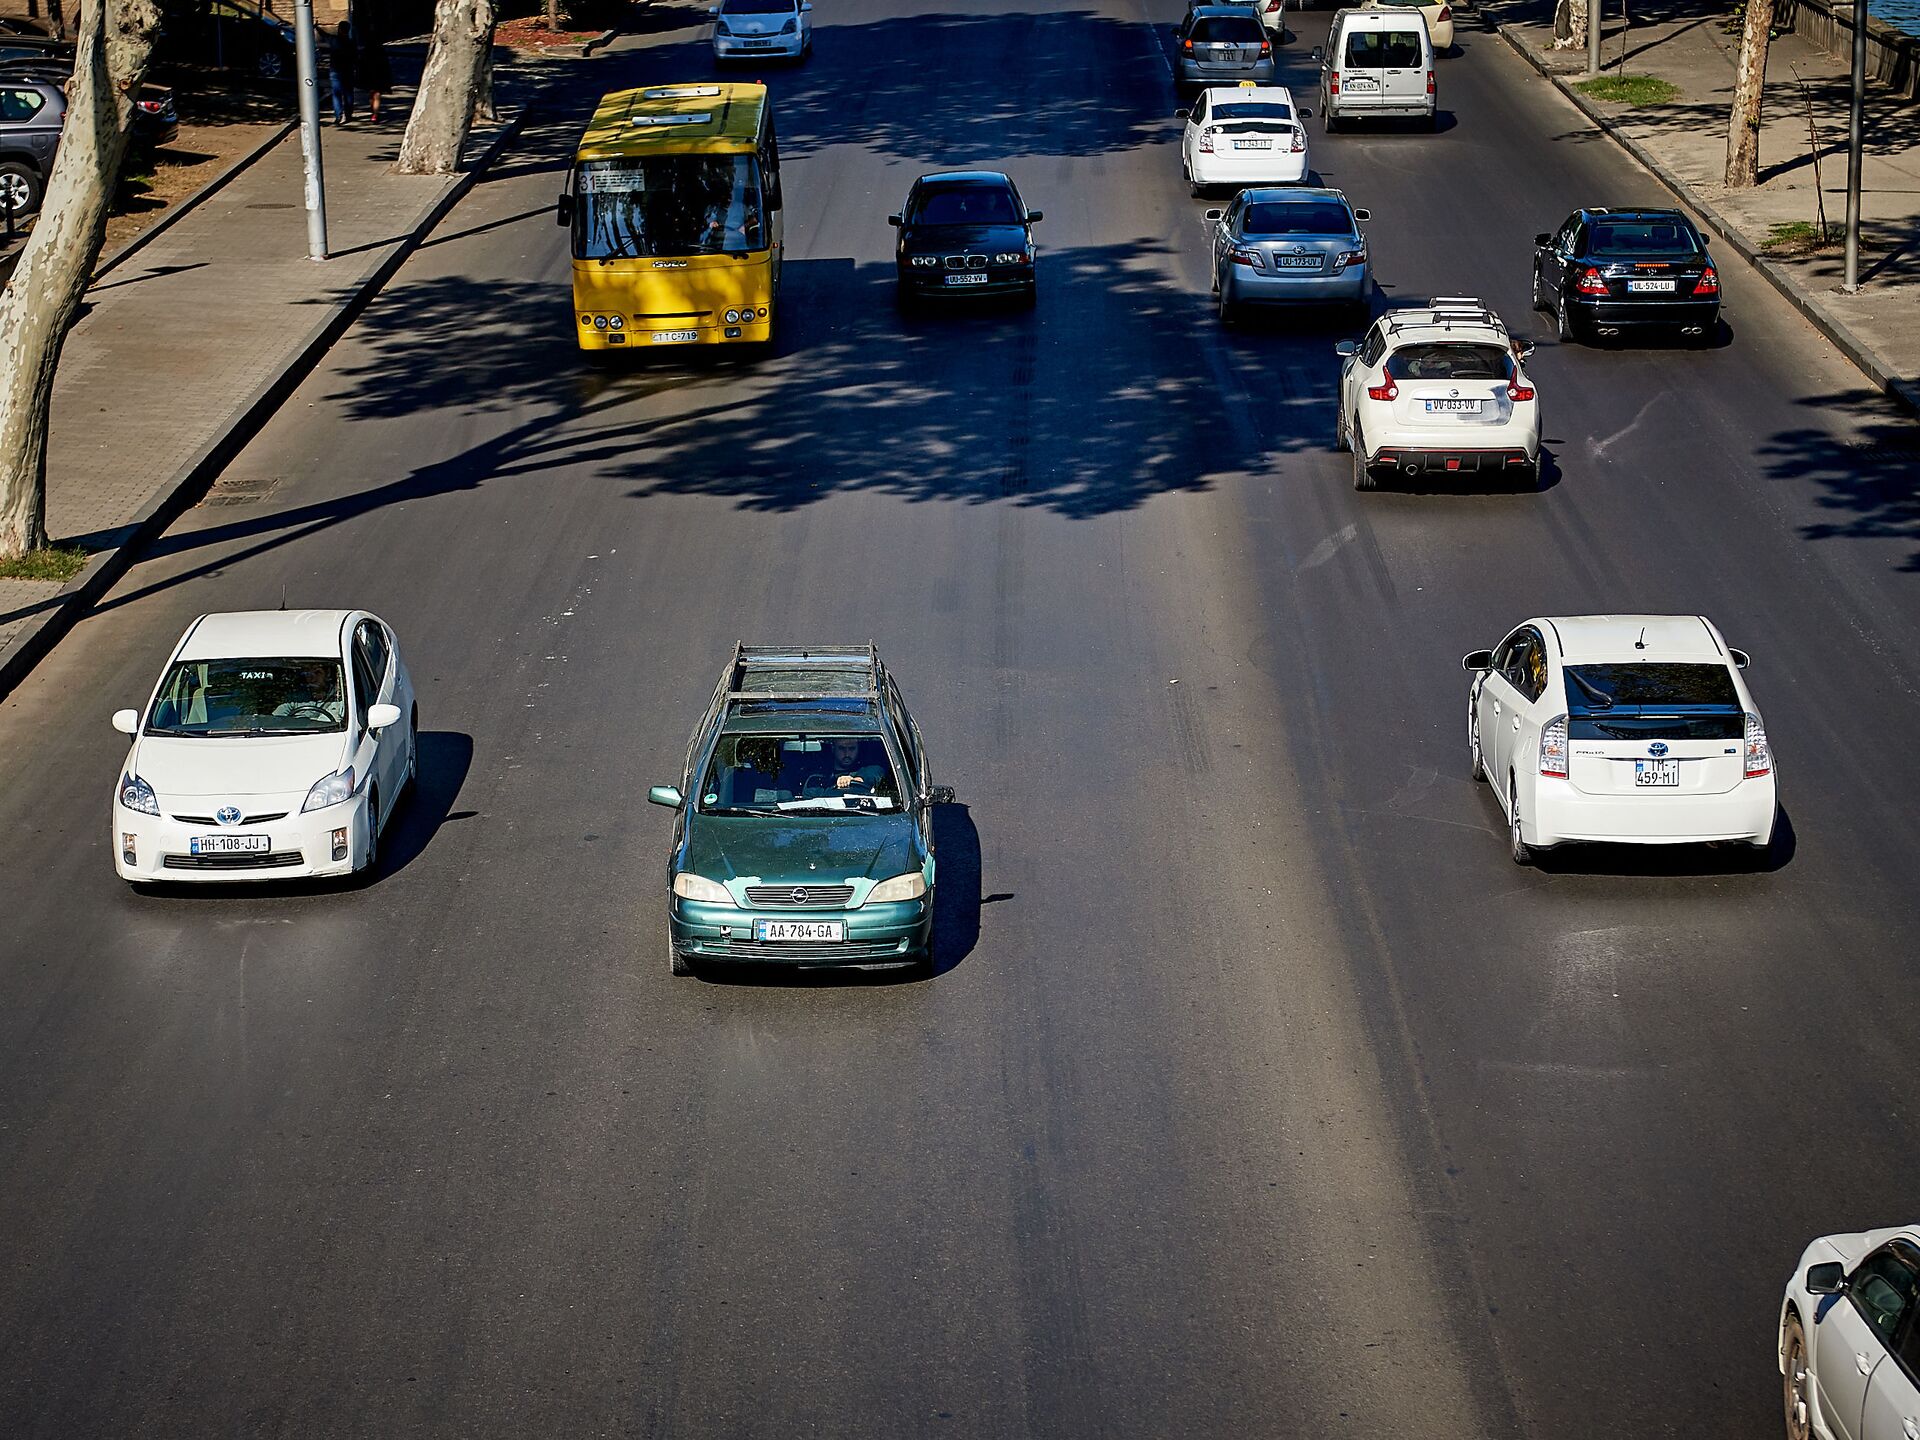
column 689, row 886
column 789, row 28
column 329, row 790
column 136, row 794
column 901, row 887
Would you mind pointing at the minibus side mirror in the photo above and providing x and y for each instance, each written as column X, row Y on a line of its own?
column 563, row 211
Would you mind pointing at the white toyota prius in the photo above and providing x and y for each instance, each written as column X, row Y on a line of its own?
column 1632, row 729
column 275, row 745
column 1850, row 1338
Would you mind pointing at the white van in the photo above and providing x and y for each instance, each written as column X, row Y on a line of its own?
column 1377, row 63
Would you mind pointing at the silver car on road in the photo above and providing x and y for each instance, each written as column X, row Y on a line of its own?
column 1222, row 45
column 1286, row 245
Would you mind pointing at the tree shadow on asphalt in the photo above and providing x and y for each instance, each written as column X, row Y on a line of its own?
column 1869, row 481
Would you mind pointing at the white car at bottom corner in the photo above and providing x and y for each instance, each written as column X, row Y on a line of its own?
column 1624, row 729
column 1849, row 1338
column 276, row 745
column 1241, row 135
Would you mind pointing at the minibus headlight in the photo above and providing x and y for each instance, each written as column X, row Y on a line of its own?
column 733, row 317
column 614, row 322
column 599, row 322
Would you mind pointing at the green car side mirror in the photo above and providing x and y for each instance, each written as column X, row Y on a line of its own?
column 667, row 795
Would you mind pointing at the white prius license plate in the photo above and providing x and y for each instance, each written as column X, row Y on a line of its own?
column 1661, row 286
column 675, row 337
column 227, row 844
column 1253, row 144
column 779, row 931
column 1453, row 407
column 1656, row 772
column 976, row 278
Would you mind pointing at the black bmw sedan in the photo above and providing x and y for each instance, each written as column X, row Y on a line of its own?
column 1606, row 273
column 964, row 232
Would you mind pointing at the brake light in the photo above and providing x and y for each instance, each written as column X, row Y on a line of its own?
column 1429, row 82
column 1243, row 257
column 1206, row 142
column 1591, row 283
column 152, row 107
column 1333, row 82
column 1517, row 391
column 1388, row 391
column 1708, row 283
column 1553, row 748
column 1188, row 46
column 1759, row 753
column 1299, row 142
column 1446, row 13
column 1348, row 257
column 1266, row 47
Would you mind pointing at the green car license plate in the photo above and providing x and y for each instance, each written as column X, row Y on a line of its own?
column 778, row 932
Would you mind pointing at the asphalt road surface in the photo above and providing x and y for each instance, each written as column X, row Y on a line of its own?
column 1258, row 1093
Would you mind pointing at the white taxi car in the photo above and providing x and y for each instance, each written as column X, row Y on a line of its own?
column 1850, row 1338
column 759, row 29
column 1633, row 729
column 275, row 745
column 1244, row 135
column 1438, row 390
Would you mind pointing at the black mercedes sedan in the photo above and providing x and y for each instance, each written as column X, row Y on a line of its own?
column 1606, row 273
column 964, row 232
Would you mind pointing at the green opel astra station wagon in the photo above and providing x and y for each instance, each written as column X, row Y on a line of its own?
column 804, row 830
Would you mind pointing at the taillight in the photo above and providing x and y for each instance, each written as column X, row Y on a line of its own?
column 152, row 107
column 1333, row 82
column 1429, row 82
column 1187, row 45
column 1553, row 748
column 1348, row 257
column 1243, row 257
column 1517, row 391
column 1388, row 391
column 1299, row 141
column 1708, row 283
column 1266, row 47
column 1591, row 283
column 1759, row 753
column 1446, row 13
column 1206, row 142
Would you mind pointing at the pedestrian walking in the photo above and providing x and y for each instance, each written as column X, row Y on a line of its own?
column 340, row 66
column 376, row 74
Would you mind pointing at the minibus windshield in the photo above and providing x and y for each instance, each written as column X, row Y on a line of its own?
column 661, row 205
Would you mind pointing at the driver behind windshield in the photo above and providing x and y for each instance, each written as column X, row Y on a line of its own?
column 763, row 771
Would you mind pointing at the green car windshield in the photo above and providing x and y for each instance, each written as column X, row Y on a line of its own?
column 773, row 774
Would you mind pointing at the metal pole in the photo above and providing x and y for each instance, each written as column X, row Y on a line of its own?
column 1593, row 37
column 1856, row 134
column 308, row 69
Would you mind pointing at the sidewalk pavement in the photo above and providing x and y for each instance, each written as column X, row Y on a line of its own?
column 185, row 349
column 1684, row 140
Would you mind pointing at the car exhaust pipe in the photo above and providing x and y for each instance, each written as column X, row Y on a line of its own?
column 1608, row 331
column 1411, row 468
column 1692, row 330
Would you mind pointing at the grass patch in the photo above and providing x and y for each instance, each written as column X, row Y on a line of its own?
column 55, row 562
column 1628, row 89
column 1801, row 237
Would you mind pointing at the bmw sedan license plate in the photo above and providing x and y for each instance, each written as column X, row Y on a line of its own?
column 227, row 844
column 675, row 337
column 779, row 931
column 1656, row 772
column 1657, row 286
column 975, row 278
column 1253, row 144
column 1453, row 407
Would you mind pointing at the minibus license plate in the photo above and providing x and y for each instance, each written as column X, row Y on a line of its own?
column 227, row 844
column 1656, row 772
column 674, row 337
column 780, row 931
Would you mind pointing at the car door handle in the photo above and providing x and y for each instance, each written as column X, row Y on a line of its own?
column 1862, row 1362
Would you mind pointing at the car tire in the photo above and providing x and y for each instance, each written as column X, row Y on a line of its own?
column 1795, row 1403
column 1539, row 295
column 1564, row 327
column 1521, row 852
column 1526, row 478
column 1341, row 440
column 1030, row 296
column 370, row 865
column 1433, row 123
column 1328, row 124
column 1229, row 309
column 412, row 782
column 270, row 64
column 1476, row 766
column 21, row 186
column 1362, row 472
column 678, row 962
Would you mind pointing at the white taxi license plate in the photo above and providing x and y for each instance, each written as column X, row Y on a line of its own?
column 675, row 337
column 780, row 931
column 227, row 844
column 974, row 278
column 1453, row 407
column 1361, row 85
column 756, row 42
column 1253, row 144
column 1660, row 286
column 1656, row 772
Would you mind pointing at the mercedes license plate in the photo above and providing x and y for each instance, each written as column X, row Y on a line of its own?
column 675, row 337
column 1253, row 144
column 1658, row 286
column 227, row 844
column 1453, row 407
column 973, row 278
column 1656, row 772
column 780, row 931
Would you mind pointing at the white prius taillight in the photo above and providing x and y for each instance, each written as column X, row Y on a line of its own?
column 1759, row 753
column 1553, row 748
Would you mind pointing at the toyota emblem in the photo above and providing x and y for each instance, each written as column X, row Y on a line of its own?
column 799, row 894
column 227, row 815
column 1657, row 749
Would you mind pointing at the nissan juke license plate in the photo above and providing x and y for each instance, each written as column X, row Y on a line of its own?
column 1453, row 407
column 1656, row 772
column 781, row 931
column 227, row 844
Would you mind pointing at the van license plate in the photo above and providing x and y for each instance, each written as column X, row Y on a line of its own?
column 976, row 278
column 674, row 337
column 227, row 844
column 779, row 931
column 1360, row 85
column 1656, row 772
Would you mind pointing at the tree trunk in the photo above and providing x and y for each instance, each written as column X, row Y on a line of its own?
column 484, row 110
column 436, row 138
column 115, row 43
column 1749, row 89
column 1570, row 24
column 553, row 15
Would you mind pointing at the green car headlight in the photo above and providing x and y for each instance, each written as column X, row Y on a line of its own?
column 689, row 886
column 901, row 887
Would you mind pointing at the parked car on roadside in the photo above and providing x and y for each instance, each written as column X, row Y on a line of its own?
column 33, row 113
column 231, row 34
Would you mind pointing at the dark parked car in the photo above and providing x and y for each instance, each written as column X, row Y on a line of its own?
column 33, row 111
column 1607, row 272
column 965, row 232
column 231, row 34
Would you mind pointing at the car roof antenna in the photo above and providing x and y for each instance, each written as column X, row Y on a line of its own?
column 283, row 595
column 1641, row 643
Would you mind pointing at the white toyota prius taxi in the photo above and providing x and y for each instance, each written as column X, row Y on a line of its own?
column 1850, row 1338
column 276, row 745
column 1631, row 729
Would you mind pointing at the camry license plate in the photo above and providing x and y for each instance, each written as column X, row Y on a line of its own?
column 1253, row 144
column 1656, row 772
column 227, row 844
column 781, row 931
column 1664, row 287
column 675, row 337
column 1296, row 262
column 976, row 278
column 1453, row 407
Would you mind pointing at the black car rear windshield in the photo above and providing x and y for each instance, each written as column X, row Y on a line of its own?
column 1454, row 360
column 1226, row 30
column 1311, row 217
column 1655, row 685
column 1623, row 239
column 762, row 774
column 966, row 205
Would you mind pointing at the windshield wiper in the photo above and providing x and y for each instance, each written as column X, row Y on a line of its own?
column 737, row 810
column 175, row 730
column 1593, row 692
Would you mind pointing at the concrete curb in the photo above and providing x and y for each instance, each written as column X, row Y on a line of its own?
column 1864, row 357
column 185, row 207
column 599, row 42
column 41, row 632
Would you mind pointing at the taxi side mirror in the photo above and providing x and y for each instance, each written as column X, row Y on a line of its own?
column 1319, row 53
column 1185, row 112
column 1216, row 215
column 127, row 722
column 1526, row 349
column 1034, row 217
column 563, row 211
column 1827, row 1278
column 1740, row 658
